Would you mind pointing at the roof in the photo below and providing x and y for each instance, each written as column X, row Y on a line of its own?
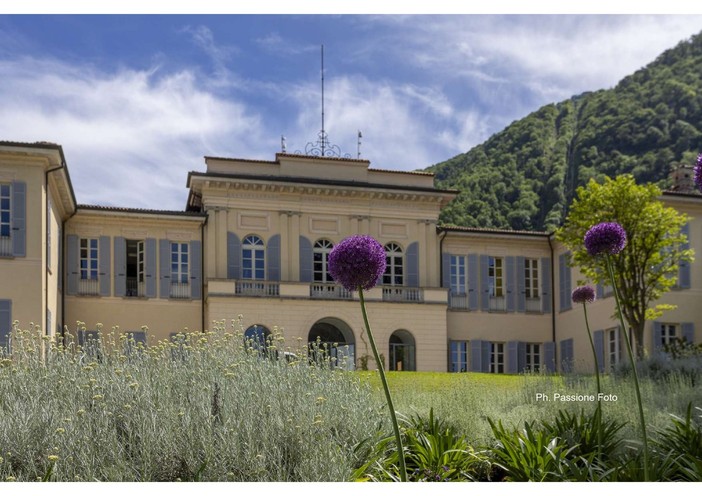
column 143, row 211
column 318, row 181
column 490, row 230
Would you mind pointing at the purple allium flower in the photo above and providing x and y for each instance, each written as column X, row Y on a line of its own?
column 357, row 261
column 583, row 294
column 606, row 237
column 698, row 172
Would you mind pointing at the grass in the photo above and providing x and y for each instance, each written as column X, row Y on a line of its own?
column 467, row 400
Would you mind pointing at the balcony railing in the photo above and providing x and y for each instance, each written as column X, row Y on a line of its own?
column 330, row 292
column 88, row 287
column 257, row 288
column 392, row 293
column 180, row 290
column 458, row 301
column 533, row 305
column 497, row 304
column 134, row 287
column 5, row 246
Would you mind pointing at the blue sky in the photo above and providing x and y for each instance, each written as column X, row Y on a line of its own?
column 137, row 101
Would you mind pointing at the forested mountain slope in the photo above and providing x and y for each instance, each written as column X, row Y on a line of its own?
column 525, row 176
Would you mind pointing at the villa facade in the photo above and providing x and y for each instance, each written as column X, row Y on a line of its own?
column 254, row 239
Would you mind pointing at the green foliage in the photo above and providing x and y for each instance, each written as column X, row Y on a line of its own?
column 683, row 442
column 203, row 407
column 648, row 266
column 434, row 452
column 525, row 176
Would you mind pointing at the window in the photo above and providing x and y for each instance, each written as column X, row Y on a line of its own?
column 180, row 270
column 394, row 259
column 614, row 347
column 533, row 357
column 497, row 358
column 5, row 220
column 458, row 274
column 531, row 278
column 179, row 263
column 495, row 276
column 135, row 268
column 253, row 258
column 459, row 356
column 669, row 332
column 321, row 261
column 88, row 258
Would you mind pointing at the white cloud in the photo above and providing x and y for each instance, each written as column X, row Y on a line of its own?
column 130, row 136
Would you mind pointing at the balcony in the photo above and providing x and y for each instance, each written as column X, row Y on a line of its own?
column 458, row 301
column 533, row 305
column 330, row 292
column 88, row 287
column 257, row 288
column 5, row 246
column 135, row 289
column 180, row 290
column 498, row 304
column 394, row 293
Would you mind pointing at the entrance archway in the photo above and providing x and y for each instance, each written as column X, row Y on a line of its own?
column 402, row 351
column 332, row 338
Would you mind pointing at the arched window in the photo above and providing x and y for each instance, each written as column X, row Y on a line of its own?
column 253, row 258
column 321, row 260
column 257, row 337
column 394, row 270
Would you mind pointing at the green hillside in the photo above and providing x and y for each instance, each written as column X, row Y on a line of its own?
column 525, row 176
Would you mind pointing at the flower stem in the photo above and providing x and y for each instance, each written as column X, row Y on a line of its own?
column 597, row 377
column 383, row 380
column 629, row 350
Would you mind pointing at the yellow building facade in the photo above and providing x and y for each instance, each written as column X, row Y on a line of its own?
column 252, row 246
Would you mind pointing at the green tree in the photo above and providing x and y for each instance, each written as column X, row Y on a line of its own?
column 648, row 266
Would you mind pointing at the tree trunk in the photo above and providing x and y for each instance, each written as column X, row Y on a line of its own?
column 638, row 343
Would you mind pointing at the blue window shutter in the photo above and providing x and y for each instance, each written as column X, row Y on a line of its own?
column 510, row 285
column 120, row 266
column 150, row 268
column 453, row 356
column 476, row 355
column 19, row 219
column 60, row 258
column 657, row 335
column 546, row 285
column 5, row 322
column 164, row 255
column 521, row 286
column 473, row 281
column 196, row 269
column 413, row 265
column 306, row 260
column 273, row 258
column 567, row 355
column 484, row 287
column 72, row 264
column 233, row 256
column 598, row 338
column 104, row 265
column 688, row 332
column 521, row 361
column 550, row 356
column 445, row 270
column 486, row 356
column 599, row 290
column 512, row 357
column 684, row 268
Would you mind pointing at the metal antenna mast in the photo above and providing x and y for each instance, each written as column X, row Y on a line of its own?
column 323, row 133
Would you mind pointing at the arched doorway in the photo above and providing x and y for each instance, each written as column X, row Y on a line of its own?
column 402, row 351
column 332, row 338
column 257, row 337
